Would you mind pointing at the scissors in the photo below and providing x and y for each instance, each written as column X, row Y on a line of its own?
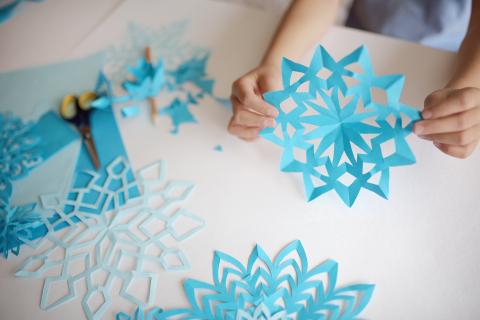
column 76, row 110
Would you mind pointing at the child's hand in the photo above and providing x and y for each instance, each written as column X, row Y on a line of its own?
column 452, row 120
column 250, row 112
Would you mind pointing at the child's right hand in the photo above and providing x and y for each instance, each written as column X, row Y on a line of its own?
column 251, row 113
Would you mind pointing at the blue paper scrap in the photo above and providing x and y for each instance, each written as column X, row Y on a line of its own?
column 130, row 111
column 115, row 239
column 320, row 119
column 282, row 288
column 218, row 148
column 178, row 111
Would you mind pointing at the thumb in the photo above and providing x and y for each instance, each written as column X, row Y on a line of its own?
column 269, row 83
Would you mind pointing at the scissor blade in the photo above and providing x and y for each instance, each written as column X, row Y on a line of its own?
column 90, row 144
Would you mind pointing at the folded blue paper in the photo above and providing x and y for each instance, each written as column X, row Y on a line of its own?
column 280, row 288
column 328, row 115
column 46, row 86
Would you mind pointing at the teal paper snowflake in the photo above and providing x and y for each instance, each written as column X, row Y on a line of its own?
column 282, row 288
column 16, row 224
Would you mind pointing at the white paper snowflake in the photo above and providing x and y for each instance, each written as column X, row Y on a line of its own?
column 116, row 244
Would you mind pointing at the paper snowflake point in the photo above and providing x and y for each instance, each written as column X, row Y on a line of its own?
column 331, row 110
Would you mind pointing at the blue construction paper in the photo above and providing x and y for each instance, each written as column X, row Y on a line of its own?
column 46, row 86
column 130, row 111
column 218, row 148
column 179, row 113
column 19, row 152
column 7, row 11
column 328, row 113
column 104, row 92
column 104, row 242
column 16, row 224
column 265, row 288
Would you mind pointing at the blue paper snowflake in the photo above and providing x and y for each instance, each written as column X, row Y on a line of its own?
column 282, row 288
column 105, row 244
column 16, row 224
column 338, row 127
column 19, row 152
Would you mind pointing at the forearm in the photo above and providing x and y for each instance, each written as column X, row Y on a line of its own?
column 467, row 73
column 301, row 27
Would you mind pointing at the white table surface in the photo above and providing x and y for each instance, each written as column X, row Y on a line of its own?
column 420, row 247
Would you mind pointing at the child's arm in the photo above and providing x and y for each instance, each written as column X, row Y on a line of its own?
column 301, row 27
column 452, row 114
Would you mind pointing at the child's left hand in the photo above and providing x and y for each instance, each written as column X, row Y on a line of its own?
column 451, row 119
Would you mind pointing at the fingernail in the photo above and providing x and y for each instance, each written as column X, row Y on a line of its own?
column 427, row 114
column 272, row 112
column 270, row 123
column 418, row 128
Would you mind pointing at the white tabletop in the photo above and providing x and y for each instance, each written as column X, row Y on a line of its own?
column 420, row 247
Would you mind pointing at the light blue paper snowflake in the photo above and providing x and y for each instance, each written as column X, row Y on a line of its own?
column 338, row 126
column 106, row 243
column 16, row 224
column 19, row 152
column 282, row 288
column 167, row 43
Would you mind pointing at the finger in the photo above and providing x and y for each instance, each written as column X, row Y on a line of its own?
column 460, row 138
column 248, row 119
column 453, row 123
column 244, row 91
column 461, row 152
column 455, row 102
column 435, row 97
column 243, row 132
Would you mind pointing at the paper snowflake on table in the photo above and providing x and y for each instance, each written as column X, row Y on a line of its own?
column 168, row 43
column 19, row 152
column 103, row 244
column 16, row 224
column 282, row 288
column 328, row 114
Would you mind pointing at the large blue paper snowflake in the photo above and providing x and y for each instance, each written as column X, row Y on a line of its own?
column 334, row 131
column 282, row 288
column 99, row 248
column 19, row 152
column 16, row 224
